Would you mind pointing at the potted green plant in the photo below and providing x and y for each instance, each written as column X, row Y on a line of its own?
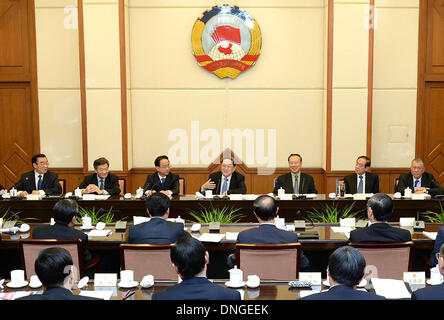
column 96, row 215
column 434, row 217
column 331, row 213
column 225, row 214
column 8, row 215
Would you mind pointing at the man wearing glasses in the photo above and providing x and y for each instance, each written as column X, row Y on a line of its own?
column 162, row 180
column 41, row 181
column 227, row 181
column 435, row 292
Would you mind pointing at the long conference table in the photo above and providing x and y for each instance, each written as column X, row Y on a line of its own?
column 317, row 249
column 182, row 205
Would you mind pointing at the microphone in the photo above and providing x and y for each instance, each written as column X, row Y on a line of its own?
column 152, row 187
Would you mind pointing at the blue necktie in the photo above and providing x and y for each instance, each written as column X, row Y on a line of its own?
column 39, row 183
column 295, row 187
column 162, row 182
column 101, row 184
column 416, row 183
column 225, row 186
column 360, row 185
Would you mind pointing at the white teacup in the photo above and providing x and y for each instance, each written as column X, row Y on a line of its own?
column 35, row 281
column 208, row 193
column 236, row 275
column 435, row 275
column 17, row 276
column 139, row 192
column 86, row 222
column 126, row 277
column 78, row 192
column 147, row 281
column 100, row 225
column 253, row 281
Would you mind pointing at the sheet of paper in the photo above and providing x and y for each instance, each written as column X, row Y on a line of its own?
column 305, row 293
column 212, row 237
column 231, row 235
column 98, row 233
column 341, row 229
column 106, row 295
column 138, row 219
column 390, row 288
column 15, row 295
column 249, row 196
column 102, row 196
column 430, row 235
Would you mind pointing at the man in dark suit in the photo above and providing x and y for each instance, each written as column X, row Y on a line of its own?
column 379, row 210
column 439, row 241
column 65, row 214
column 227, row 181
column 435, row 292
column 265, row 209
column 158, row 230
column 362, row 181
column 101, row 182
column 163, row 180
column 345, row 270
column 54, row 268
column 418, row 180
column 295, row 181
column 41, row 181
column 189, row 258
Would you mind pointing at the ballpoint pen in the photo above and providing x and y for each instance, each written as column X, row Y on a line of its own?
column 129, row 295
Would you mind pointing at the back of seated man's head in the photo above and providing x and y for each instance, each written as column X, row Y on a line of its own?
column 53, row 266
column 346, row 266
column 157, row 204
column 188, row 255
column 381, row 205
column 65, row 210
column 265, row 207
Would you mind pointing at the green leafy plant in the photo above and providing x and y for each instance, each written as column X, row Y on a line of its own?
column 331, row 213
column 435, row 217
column 8, row 215
column 96, row 216
column 225, row 214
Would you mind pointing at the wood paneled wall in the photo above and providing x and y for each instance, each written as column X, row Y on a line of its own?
column 430, row 106
column 19, row 120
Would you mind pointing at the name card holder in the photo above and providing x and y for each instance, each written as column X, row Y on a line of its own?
column 347, row 222
column 88, row 197
column 406, row 222
column 314, row 277
column 414, row 277
column 105, row 279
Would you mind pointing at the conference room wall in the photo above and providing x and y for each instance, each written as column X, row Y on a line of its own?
column 350, row 76
column 395, row 83
column 286, row 83
column 59, row 82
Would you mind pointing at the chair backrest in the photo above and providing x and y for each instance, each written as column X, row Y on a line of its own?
column 145, row 259
column 29, row 251
column 122, row 185
column 395, row 185
column 62, row 184
column 386, row 260
column 269, row 261
column 182, row 186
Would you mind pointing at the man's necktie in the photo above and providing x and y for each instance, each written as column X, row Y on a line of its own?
column 101, row 184
column 39, row 183
column 360, row 185
column 225, row 186
column 162, row 182
column 295, row 187
column 416, row 183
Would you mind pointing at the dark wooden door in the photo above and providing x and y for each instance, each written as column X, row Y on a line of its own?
column 19, row 132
